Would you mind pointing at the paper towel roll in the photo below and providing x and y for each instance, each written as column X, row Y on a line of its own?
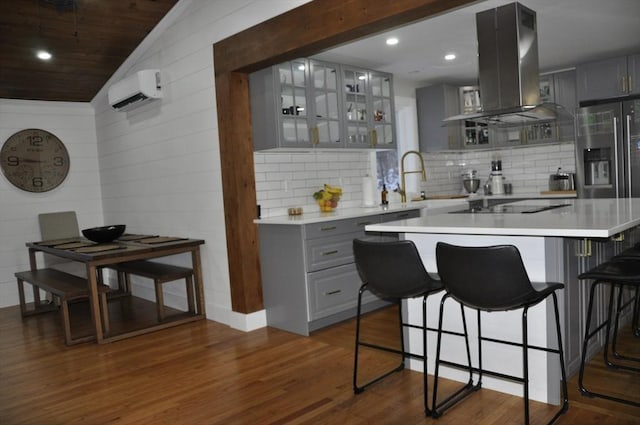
column 368, row 191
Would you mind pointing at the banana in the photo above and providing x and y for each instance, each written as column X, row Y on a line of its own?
column 333, row 189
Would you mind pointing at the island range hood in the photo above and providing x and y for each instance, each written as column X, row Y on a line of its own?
column 508, row 69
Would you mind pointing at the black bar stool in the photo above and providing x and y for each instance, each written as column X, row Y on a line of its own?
column 393, row 271
column 617, row 274
column 492, row 279
column 633, row 254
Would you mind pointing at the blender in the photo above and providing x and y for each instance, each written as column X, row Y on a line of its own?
column 497, row 180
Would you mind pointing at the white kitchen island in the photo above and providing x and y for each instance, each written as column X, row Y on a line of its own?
column 556, row 245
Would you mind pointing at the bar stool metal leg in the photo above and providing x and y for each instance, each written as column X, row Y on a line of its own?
column 591, row 333
column 614, row 347
column 439, row 408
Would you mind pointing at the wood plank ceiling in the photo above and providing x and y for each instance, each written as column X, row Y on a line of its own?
column 88, row 39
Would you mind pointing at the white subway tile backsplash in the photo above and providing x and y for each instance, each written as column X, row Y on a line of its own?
column 526, row 167
column 306, row 173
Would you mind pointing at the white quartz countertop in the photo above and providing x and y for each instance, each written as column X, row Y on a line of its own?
column 342, row 213
column 584, row 218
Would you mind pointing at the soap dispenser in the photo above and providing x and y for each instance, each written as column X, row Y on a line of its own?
column 383, row 195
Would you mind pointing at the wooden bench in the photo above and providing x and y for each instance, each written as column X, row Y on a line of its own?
column 65, row 287
column 160, row 273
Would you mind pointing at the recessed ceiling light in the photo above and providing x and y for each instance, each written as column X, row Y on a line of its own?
column 449, row 56
column 392, row 41
column 44, row 55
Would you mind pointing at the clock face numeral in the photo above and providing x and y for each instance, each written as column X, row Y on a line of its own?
column 34, row 160
column 13, row 161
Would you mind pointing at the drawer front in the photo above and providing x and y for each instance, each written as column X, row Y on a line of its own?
column 399, row 215
column 330, row 252
column 337, row 227
column 334, row 290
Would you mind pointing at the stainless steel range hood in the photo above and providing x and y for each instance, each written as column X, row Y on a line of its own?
column 508, row 69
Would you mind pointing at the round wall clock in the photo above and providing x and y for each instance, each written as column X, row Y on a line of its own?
column 34, row 160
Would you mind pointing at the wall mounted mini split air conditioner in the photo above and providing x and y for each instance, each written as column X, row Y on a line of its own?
column 135, row 90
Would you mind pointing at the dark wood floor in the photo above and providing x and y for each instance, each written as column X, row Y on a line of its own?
column 207, row 373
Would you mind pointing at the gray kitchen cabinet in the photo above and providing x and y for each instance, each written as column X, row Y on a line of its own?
column 437, row 102
column 279, row 113
column 633, row 68
column 309, row 278
column 369, row 111
column 299, row 104
column 434, row 104
column 564, row 83
column 474, row 134
column 324, row 116
column 558, row 88
column 608, row 78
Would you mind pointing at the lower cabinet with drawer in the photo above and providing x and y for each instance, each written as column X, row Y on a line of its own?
column 309, row 278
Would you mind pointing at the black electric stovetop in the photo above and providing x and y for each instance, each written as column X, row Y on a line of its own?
column 509, row 209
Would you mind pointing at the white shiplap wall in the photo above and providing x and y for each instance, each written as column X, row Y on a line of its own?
column 74, row 124
column 160, row 164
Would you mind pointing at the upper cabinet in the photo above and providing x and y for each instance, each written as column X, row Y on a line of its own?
column 326, row 106
column 564, row 84
column 279, row 99
column 440, row 101
column 609, row 78
column 382, row 110
column 474, row 134
column 312, row 104
column 435, row 103
column 558, row 88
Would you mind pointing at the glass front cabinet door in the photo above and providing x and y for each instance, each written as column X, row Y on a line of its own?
column 307, row 103
column 382, row 113
column 324, row 117
column 368, row 109
column 294, row 128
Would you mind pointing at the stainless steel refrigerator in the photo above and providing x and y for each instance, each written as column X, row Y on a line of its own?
column 608, row 150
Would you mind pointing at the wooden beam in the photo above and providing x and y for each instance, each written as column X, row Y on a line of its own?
column 319, row 25
column 309, row 29
column 239, row 190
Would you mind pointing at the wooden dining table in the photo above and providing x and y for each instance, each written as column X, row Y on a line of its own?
column 127, row 248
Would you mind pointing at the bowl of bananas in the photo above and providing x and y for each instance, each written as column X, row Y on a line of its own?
column 328, row 197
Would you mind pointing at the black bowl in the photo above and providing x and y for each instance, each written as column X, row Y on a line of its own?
column 104, row 233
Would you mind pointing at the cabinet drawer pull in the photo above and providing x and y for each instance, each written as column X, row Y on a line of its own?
column 323, row 229
column 335, row 251
column 363, row 223
column 403, row 215
column 337, row 291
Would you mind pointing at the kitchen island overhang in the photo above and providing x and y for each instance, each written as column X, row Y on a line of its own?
column 546, row 241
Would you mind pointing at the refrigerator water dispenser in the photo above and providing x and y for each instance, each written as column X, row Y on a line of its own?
column 597, row 166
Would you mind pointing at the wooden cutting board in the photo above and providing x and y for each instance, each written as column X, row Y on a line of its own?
column 558, row 192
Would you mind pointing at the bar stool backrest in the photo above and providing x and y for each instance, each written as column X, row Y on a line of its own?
column 486, row 278
column 391, row 269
